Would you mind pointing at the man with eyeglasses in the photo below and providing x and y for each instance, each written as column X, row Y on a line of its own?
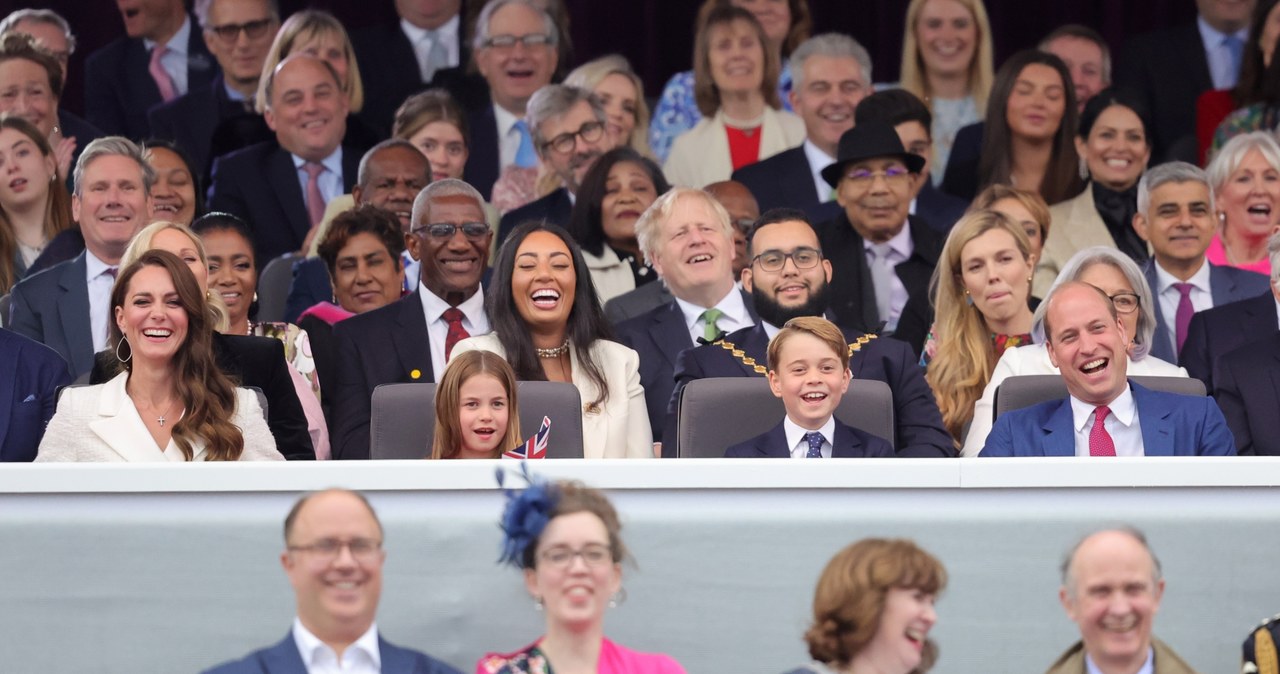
column 333, row 556
column 1176, row 217
column 514, row 49
column 220, row 117
column 881, row 256
column 412, row 339
column 568, row 126
column 161, row 57
column 789, row 277
column 688, row 238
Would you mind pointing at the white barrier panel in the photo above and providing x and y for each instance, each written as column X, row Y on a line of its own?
column 170, row 568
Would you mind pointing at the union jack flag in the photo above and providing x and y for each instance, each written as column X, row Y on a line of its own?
column 535, row 447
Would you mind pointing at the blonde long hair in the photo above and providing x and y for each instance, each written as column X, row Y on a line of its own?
column 962, row 366
column 981, row 69
column 302, row 26
column 219, row 315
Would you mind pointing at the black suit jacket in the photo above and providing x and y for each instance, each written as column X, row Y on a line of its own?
column 32, row 375
column 119, row 89
column 195, row 119
column 853, row 297
column 260, row 184
column 659, row 336
column 554, row 208
column 847, row 443
column 1225, row 328
column 939, row 209
column 249, row 361
column 636, row 302
column 917, row 421
column 481, row 171
column 961, row 176
column 1168, row 70
column 389, row 69
column 783, row 180
column 384, row 346
column 1248, row 391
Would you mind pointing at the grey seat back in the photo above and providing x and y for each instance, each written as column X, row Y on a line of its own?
column 1022, row 391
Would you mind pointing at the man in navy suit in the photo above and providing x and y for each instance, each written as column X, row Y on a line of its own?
column 1176, row 216
column 238, row 33
column 809, row 371
column 128, row 77
column 406, row 341
column 28, row 393
column 687, row 237
column 785, row 281
column 515, row 50
column 1247, row 388
column 832, row 74
column 275, row 185
column 333, row 556
column 67, row 306
column 1105, row 414
column 569, row 131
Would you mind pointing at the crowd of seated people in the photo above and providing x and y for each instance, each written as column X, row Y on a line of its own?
column 456, row 182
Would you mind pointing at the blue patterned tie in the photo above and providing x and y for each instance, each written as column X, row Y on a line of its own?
column 525, row 155
column 814, row 439
column 1235, row 48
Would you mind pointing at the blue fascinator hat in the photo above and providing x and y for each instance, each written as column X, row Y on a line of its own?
column 527, row 513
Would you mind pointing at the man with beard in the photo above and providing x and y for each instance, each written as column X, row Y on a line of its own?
column 568, row 127
column 788, row 277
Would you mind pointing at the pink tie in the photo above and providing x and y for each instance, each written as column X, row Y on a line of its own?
column 1182, row 320
column 1100, row 442
column 315, row 200
column 158, row 73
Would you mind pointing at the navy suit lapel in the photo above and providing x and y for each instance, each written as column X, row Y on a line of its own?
column 1059, row 431
column 1161, row 341
column 284, row 658
column 396, row 659
column 137, row 65
column 8, row 390
column 669, row 334
column 1156, row 437
column 774, row 444
column 846, row 445
column 282, row 177
column 73, row 314
column 413, row 346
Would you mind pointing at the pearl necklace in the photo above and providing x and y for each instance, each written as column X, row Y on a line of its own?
column 555, row 352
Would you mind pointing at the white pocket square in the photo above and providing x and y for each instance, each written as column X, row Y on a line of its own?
column 31, row 397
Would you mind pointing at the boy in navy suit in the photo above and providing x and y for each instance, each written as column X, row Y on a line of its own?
column 809, row 371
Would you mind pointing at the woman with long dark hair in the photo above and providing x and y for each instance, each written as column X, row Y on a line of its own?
column 34, row 203
column 548, row 323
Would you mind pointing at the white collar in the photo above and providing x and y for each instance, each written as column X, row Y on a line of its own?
column 795, row 433
column 818, row 159
column 731, row 305
column 1165, row 280
column 332, row 163
column 900, row 243
column 770, row 330
column 433, row 307
column 310, row 646
column 1123, row 408
column 506, row 119
column 177, row 43
column 415, row 34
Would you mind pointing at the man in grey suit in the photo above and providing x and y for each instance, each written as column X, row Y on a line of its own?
column 67, row 306
column 1176, row 216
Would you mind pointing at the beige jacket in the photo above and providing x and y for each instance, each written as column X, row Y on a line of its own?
column 1073, row 226
column 1167, row 662
column 700, row 156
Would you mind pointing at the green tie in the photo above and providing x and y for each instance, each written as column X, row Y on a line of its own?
column 710, row 331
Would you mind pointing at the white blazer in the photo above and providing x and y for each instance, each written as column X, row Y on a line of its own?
column 611, row 274
column 99, row 423
column 700, row 156
column 620, row 428
column 1034, row 359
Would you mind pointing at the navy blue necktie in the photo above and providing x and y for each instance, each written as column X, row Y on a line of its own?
column 814, row 439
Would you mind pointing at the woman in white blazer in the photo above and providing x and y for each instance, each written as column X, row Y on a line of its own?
column 171, row 403
column 736, row 87
column 547, row 322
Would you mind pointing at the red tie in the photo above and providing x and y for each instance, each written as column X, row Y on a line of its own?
column 1100, row 443
column 163, row 82
column 457, row 333
column 315, row 200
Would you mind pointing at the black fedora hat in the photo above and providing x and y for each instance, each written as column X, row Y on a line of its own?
column 869, row 140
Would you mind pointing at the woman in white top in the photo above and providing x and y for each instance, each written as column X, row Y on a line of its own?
column 1120, row 278
column 171, row 402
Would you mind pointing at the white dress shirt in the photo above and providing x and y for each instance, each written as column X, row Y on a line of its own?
column 734, row 316
column 799, row 446
column 100, row 283
column 474, row 321
column 1168, row 296
column 361, row 657
column 508, row 136
column 174, row 61
column 1219, row 56
column 1122, row 424
column 330, row 180
column 819, row 160
column 422, row 40
column 900, row 249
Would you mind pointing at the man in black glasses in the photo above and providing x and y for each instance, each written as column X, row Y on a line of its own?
column 238, row 33
column 410, row 340
column 333, row 556
column 568, row 127
column 789, row 277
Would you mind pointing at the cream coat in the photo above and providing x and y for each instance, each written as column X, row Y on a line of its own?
column 100, row 424
column 610, row 274
column 700, row 156
column 1075, row 224
column 620, row 429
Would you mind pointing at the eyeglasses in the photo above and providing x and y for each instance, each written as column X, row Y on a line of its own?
column 1126, row 302
column 561, row 557
column 564, row 143
column 775, row 260
column 894, row 176
column 505, row 42
column 445, row 230
column 230, row 32
column 328, row 549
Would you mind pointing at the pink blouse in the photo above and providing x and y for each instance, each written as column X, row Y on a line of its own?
column 1217, row 254
column 614, row 659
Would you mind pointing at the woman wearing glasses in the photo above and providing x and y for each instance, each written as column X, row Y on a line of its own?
column 571, row 554
column 1122, row 280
